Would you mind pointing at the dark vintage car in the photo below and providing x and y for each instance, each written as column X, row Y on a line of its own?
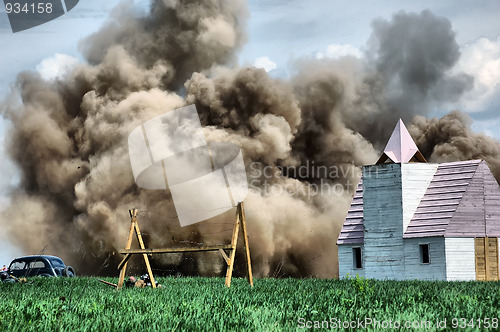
column 40, row 265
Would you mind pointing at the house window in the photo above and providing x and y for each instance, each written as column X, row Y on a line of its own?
column 357, row 263
column 425, row 257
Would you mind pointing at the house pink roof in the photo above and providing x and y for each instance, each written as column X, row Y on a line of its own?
column 462, row 200
column 353, row 231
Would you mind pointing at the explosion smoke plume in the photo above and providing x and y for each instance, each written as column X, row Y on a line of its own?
column 69, row 136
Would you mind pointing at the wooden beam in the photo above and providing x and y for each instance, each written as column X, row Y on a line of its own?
column 127, row 246
column 107, row 283
column 247, row 246
column 145, row 256
column 234, row 242
column 173, row 250
column 224, row 255
column 420, row 157
column 486, row 259
column 382, row 159
column 479, row 250
column 496, row 272
column 124, row 261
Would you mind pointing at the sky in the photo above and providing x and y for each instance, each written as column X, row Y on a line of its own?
column 279, row 33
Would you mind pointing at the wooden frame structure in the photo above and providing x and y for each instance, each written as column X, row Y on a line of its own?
column 229, row 259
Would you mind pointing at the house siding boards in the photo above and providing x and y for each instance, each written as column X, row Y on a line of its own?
column 346, row 262
column 383, row 213
column 460, row 259
column 436, row 269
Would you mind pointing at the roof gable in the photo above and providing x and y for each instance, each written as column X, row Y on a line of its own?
column 491, row 203
column 478, row 214
column 469, row 217
column 441, row 199
column 461, row 201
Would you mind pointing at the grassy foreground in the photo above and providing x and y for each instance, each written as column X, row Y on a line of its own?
column 204, row 304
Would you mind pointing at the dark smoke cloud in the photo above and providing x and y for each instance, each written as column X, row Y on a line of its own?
column 410, row 59
column 175, row 39
column 451, row 138
column 69, row 136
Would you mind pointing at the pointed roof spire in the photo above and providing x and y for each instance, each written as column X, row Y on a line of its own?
column 401, row 148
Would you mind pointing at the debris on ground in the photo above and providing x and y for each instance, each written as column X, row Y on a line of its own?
column 107, row 283
column 9, row 278
column 132, row 281
column 144, row 281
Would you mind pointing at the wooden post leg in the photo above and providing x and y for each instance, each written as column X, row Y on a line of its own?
column 145, row 256
column 247, row 246
column 234, row 242
column 122, row 277
column 127, row 246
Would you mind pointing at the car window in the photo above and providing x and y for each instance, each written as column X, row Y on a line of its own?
column 17, row 266
column 56, row 263
column 37, row 265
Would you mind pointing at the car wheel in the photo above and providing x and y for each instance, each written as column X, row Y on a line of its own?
column 69, row 271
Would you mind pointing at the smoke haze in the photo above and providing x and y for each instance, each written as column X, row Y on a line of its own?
column 69, row 136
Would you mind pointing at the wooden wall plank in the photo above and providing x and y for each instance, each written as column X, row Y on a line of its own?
column 436, row 269
column 492, row 258
column 346, row 261
column 460, row 259
column 383, row 216
column 480, row 259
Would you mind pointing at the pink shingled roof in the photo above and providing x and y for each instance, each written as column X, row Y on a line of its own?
column 352, row 231
column 461, row 201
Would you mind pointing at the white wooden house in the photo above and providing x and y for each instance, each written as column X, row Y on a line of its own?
column 414, row 220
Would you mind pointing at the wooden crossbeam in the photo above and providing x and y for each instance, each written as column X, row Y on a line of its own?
column 172, row 250
column 123, row 263
column 224, row 255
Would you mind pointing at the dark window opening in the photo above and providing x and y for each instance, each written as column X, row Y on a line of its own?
column 425, row 257
column 357, row 263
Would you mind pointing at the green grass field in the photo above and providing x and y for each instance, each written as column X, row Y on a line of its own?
column 204, row 304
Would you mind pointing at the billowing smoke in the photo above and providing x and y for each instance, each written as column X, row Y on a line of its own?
column 303, row 139
column 410, row 58
column 451, row 138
